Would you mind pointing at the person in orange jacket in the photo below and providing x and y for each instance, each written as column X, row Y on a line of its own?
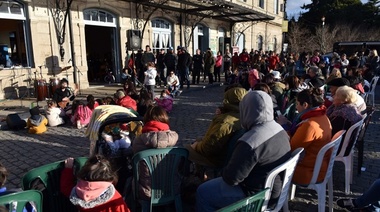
column 36, row 122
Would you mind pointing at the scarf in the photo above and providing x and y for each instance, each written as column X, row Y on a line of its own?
column 347, row 111
column 304, row 115
column 91, row 190
column 155, row 126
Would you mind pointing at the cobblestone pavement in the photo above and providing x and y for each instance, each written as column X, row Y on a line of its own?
column 190, row 117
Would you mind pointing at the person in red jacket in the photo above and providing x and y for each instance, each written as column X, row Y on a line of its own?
column 273, row 60
column 244, row 57
column 125, row 100
column 94, row 190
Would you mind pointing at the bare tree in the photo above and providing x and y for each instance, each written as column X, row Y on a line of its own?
column 298, row 37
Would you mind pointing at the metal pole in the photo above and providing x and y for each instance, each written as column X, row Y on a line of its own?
column 73, row 61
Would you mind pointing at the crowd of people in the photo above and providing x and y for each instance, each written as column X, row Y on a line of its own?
column 301, row 99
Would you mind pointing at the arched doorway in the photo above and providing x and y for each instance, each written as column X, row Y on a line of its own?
column 14, row 37
column 201, row 38
column 260, row 42
column 162, row 35
column 102, row 41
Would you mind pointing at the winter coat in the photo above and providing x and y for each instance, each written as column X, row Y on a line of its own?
column 150, row 77
column 342, row 117
column 127, row 102
column 264, row 146
column 54, row 116
column 82, row 114
column 209, row 65
column 155, row 136
column 214, row 143
column 108, row 201
column 166, row 103
column 37, row 126
column 312, row 133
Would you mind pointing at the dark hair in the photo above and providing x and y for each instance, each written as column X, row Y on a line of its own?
column 263, row 87
column 100, row 101
column 313, row 96
column 129, row 88
column 292, row 81
column 3, row 175
column 90, row 101
column 75, row 106
column 97, row 168
column 269, row 78
column 156, row 113
column 109, row 101
column 150, row 64
column 51, row 103
column 63, row 80
column 145, row 97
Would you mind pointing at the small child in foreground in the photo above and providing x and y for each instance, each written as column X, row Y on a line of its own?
column 36, row 122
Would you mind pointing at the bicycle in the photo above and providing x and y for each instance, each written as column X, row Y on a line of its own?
column 109, row 78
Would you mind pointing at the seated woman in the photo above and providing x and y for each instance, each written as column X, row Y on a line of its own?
column 343, row 113
column 211, row 150
column 311, row 130
column 156, row 134
column 125, row 100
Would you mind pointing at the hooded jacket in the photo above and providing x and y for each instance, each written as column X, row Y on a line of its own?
column 214, row 144
column 155, row 135
column 263, row 147
column 37, row 124
column 91, row 196
column 54, row 116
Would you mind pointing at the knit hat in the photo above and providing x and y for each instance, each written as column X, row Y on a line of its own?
column 34, row 113
column 339, row 82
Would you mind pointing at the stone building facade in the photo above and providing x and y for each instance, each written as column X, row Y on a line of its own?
column 44, row 41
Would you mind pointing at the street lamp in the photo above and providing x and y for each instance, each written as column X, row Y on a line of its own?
column 322, row 35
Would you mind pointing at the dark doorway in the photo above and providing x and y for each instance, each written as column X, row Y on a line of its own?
column 99, row 48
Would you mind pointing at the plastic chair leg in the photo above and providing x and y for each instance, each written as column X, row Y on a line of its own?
column 331, row 194
column 347, row 174
column 292, row 192
column 321, row 192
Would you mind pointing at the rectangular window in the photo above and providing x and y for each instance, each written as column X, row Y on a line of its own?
column 261, row 4
column 275, row 6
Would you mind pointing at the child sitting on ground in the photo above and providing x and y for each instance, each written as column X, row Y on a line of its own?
column 82, row 114
column 36, row 122
column 94, row 190
column 91, row 103
column 165, row 101
column 54, row 114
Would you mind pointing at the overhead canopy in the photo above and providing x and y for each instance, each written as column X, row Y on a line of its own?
column 214, row 9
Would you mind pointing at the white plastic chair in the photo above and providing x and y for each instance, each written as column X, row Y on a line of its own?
column 348, row 160
column 288, row 167
column 371, row 93
column 320, row 187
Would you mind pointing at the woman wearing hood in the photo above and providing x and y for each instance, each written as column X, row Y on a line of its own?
column 211, row 150
column 263, row 147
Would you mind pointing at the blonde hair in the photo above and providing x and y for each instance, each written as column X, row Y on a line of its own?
column 346, row 94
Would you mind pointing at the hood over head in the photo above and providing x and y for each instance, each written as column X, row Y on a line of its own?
column 234, row 96
column 255, row 108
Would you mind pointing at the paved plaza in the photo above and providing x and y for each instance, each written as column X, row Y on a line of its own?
column 191, row 115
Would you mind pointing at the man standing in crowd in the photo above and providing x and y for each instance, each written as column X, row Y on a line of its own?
column 170, row 61
column 184, row 62
column 197, row 66
column 161, row 72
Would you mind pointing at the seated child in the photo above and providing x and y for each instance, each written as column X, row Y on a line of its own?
column 29, row 207
column 91, row 103
column 54, row 114
column 82, row 114
column 94, row 190
column 165, row 101
column 116, row 138
column 37, row 122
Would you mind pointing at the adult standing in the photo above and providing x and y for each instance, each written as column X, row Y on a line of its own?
column 139, row 65
column 184, row 62
column 170, row 60
column 255, row 154
column 161, row 72
column 218, row 65
column 209, row 66
column 227, row 63
column 197, row 66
